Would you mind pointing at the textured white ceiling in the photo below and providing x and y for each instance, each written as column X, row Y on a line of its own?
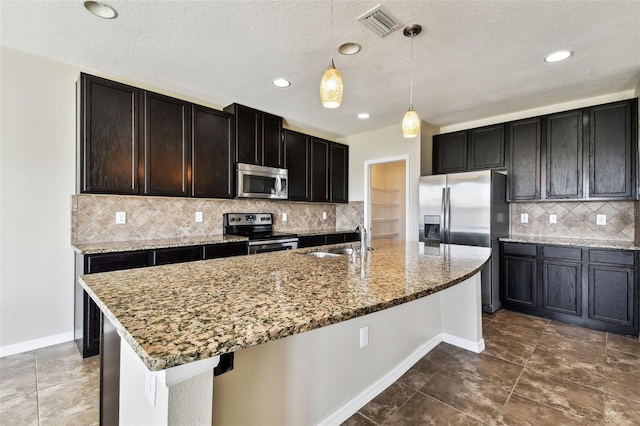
column 474, row 59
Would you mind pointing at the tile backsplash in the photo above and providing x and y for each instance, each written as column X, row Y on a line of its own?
column 576, row 219
column 149, row 218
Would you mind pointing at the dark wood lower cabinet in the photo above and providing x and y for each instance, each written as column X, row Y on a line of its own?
column 88, row 318
column 322, row 239
column 590, row 287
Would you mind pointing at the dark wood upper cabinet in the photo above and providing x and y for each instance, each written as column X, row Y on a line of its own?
column 108, row 136
column 167, row 145
column 258, row 136
column 320, row 152
column 564, row 155
column 612, row 150
column 339, row 173
column 523, row 167
column 213, row 152
column 486, row 148
column 296, row 161
column 450, row 153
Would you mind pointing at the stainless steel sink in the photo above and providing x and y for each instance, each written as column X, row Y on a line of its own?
column 346, row 250
column 323, row 254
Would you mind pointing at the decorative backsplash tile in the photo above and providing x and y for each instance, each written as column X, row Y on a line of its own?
column 576, row 219
column 93, row 216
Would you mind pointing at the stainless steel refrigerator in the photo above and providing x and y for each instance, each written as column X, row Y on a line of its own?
column 468, row 209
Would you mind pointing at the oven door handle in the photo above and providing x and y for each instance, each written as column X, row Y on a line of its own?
column 280, row 241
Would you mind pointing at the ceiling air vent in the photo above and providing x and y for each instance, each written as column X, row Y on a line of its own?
column 379, row 21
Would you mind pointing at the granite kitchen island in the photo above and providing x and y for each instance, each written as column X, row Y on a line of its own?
column 294, row 323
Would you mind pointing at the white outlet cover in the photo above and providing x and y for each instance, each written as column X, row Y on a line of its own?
column 284, row 217
column 601, row 219
column 364, row 336
column 121, row 218
column 198, row 216
column 324, row 215
column 524, row 218
column 553, row 218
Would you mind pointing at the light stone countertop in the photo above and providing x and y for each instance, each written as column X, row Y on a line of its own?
column 581, row 242
column 120, row 246
column 180, row 313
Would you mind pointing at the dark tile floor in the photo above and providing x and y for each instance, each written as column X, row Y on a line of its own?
column 533, row 372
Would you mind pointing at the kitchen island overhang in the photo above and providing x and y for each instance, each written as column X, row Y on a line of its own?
column 179, row 314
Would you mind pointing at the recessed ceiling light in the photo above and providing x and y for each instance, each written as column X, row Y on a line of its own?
column 364, row 115
column 281, row 82
column 558, row 56
column 101, row 10
column 349, row 48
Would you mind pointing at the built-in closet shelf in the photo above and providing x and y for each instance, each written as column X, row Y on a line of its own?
column 377, row 188
column 388, row 235
column 385, row 204
column 385, row 219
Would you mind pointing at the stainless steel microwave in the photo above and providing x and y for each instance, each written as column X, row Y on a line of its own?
column 261, row 182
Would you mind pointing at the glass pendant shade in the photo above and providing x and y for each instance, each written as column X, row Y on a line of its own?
column 331, row 87
column 410, row 124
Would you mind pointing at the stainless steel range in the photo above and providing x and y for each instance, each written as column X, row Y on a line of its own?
column 258, row 227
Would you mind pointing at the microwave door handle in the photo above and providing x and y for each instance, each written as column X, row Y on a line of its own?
column 277, row 185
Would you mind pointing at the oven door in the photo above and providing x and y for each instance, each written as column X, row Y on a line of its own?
column 266, row 246
column 261, row 182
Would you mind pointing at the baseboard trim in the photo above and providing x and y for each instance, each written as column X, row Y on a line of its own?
column 30, row 345
column 352, row 406
column 469, row 345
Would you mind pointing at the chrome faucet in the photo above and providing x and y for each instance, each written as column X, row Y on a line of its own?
column 363, row 238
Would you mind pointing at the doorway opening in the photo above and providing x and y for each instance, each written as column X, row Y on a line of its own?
column 386, row 204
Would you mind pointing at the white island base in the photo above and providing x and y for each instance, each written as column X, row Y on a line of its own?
column 321, row 376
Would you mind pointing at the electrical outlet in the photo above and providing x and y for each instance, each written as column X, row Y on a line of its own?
column 121, row 218
column 284, row 217
column 553, row 218
column 601, row 219
column 198, row 216
column 524, row 218
column 150, row 386
column 364, row 336
column 324, row 215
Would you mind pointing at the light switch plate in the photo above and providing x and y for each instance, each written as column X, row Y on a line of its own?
column 601, row 219
column 364, row 336
column 121, row 218
column 553, row 218
column 524, row 218
column 198, row 216
column 324, row 215
column 284, row 217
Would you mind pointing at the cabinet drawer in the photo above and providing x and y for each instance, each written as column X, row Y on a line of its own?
column 620, row 257
column 519, row 249
column 95, row 263
column 311, row 241
column 335, row 238
column 214, row 251
column 568, row 253
column 178, row 254
column 350, row 237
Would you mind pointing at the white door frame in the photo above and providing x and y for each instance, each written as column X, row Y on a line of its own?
column 367, row 192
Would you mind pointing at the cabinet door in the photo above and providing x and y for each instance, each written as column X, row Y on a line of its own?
column 296, row 161
column 523, row 168
column 178, row 255
column 486, row 148
column 612, row 295
column 167, row 146
column 272, row 146
column 214, row 251
column 561, row 287
column 95, row 263
column 520, row 281
column 213, row 152
column 450, row 153
column 564, row 155
column 612, row 151
column 311, row 240
column 339, row 173
column 248, row 135
column 108, row 136
column 320, row 150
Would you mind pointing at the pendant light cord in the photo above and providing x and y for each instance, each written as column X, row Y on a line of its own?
column 411, row 72
column 331, row 47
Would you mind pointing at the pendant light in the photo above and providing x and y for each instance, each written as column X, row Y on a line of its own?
column 331, row 84
column 411, row 121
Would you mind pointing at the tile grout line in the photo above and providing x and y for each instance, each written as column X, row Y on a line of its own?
column 400, row 406
column 451, row 406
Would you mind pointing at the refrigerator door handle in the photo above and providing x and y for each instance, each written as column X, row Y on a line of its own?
column 448, row 215
column 443, row 216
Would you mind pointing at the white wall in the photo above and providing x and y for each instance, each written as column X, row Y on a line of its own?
column 37, row 178
column 377, row 145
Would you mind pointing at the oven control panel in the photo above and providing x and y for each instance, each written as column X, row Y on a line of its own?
column 248, row 219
